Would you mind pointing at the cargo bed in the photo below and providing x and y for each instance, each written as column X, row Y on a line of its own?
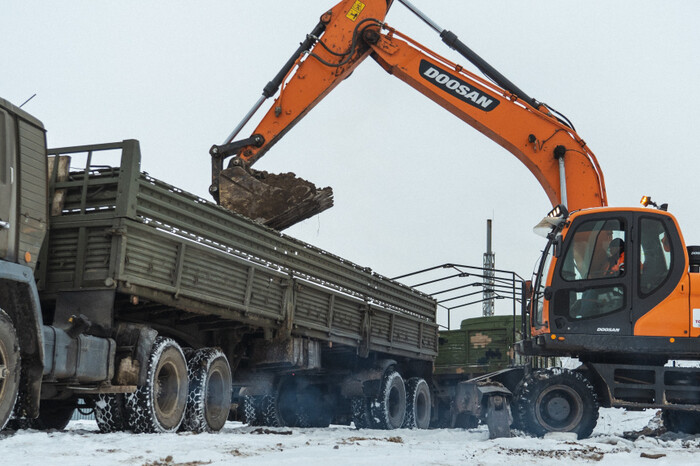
column 122, row 230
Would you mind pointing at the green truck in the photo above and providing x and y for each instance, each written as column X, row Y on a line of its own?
column 162, row 310
column 481, row 346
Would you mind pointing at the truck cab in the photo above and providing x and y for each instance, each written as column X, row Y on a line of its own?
column 22, row 182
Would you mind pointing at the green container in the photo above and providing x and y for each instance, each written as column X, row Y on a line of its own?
column 480, row 346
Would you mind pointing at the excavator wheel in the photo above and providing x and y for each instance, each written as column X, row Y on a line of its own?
column 556, row 400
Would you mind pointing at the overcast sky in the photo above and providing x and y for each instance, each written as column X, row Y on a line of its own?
column 413, row 184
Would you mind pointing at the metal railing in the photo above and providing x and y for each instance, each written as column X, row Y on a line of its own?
column 456, row 287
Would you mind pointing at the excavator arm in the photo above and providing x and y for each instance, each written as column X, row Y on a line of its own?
column 347, row 34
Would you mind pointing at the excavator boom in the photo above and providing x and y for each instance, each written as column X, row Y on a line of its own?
column 534, row 135
column 345, row 36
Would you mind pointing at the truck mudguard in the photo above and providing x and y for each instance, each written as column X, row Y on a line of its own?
column 20, row 299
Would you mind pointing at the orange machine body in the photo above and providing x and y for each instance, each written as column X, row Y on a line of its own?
column 655, row 294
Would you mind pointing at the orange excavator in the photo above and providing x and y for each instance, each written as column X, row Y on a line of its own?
column 616, row 288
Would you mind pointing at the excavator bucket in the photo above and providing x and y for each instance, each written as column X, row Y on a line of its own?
column 276, row 200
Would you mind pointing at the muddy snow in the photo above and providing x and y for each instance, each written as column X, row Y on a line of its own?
column 620, row 438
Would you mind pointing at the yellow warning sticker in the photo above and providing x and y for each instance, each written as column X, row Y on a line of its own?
column 355, row 10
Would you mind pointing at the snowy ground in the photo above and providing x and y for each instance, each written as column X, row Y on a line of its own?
column 80, row 444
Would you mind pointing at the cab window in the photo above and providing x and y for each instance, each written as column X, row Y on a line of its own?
column 596, row 251
column 589, row 303
column 654, row 255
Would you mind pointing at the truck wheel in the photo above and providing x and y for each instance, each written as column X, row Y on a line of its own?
column 361, row 416
column 252, row 410
column 110, row 413
column 443, row 420
column 313, row 419
column 209, row 400
column 417, row 404
column 313, row 407
column 159, row 405
column 389, row 408
column 53, row 414
column 687, row 422
column 556, row 400
column 9, row 368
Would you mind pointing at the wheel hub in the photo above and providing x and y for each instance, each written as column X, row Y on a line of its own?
column 167, row 389
column 559, row 408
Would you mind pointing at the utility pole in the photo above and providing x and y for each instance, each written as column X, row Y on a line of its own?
column 489, row 273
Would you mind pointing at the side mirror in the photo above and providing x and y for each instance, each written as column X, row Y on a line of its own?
column 557, row 246
column 548, row 293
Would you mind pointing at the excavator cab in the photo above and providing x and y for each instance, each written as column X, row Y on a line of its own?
column 614, row 280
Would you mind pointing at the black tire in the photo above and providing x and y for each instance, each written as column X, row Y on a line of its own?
column 361, row 416
column 313, row 419
column 687, row 422
column 443, row 420
column 159, row 405
column 9, row 368
column 19, row 424
column 282, row 407
column 110, row 413
column 277, row 411
column 272, row 411
column 209, row 400
column 53, row 414
column 252, row 410
column 418, row 403
column 313, row 407
column 389, row 408
column 556, row 400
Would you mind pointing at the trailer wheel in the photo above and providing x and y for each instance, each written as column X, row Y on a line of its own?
column 417, row 404
column 556, row 400
column 209, row 400
column 110, row 413
column 252, row 410
column 389, row 408
column 9, row 368
column 53, row 414
column 159, row 405
column 687, row 422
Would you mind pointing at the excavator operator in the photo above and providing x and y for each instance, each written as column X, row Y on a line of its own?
column 616, row 258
